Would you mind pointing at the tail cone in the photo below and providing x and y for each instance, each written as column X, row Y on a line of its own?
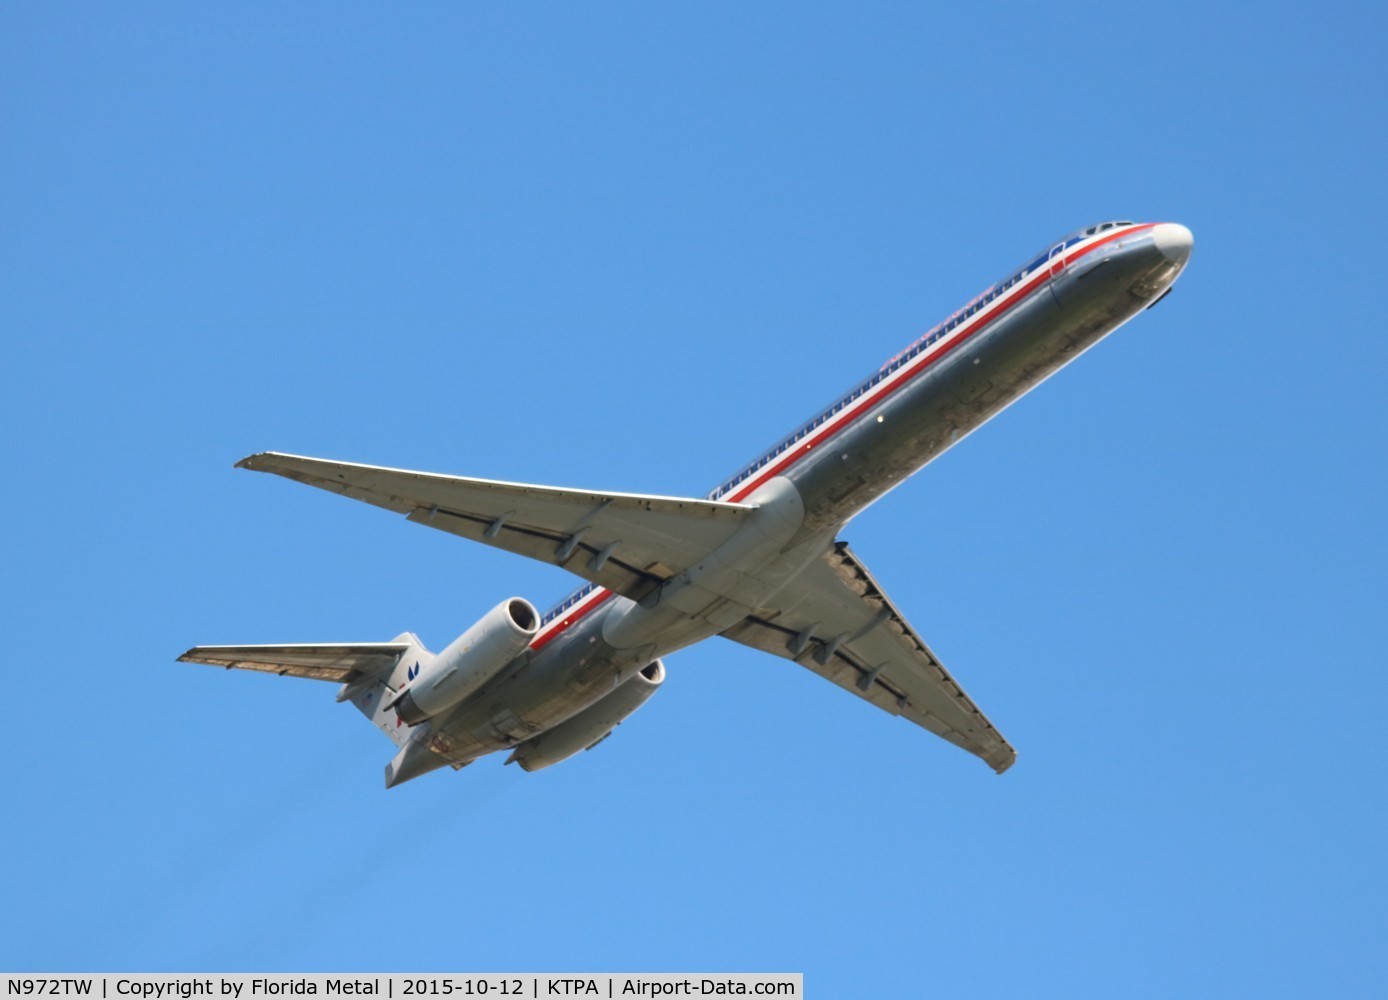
column 415, row 758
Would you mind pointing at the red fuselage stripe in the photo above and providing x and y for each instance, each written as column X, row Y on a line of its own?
column 599, row 597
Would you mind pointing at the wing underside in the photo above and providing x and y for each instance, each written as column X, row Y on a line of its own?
column 628, row 543
column 835, row 620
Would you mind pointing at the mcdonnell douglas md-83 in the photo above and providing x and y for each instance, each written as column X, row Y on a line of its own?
column 758, row 561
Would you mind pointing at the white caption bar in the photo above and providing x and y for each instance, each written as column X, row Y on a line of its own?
column 397, row 986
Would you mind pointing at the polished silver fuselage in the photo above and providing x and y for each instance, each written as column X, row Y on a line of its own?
column 1016, row 335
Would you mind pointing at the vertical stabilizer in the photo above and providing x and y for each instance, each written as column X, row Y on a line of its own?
column 375, row 694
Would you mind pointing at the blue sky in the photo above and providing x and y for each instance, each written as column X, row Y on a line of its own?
column 626, row 247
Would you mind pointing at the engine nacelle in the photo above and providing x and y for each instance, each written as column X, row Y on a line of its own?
column 592, row 725
column 470, row 660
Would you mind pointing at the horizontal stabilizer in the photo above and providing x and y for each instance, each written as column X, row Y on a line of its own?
column 370, row 672
column 627, row 542
column 338, row 662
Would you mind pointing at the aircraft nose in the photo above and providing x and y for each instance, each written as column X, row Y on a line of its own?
column 1174, row 241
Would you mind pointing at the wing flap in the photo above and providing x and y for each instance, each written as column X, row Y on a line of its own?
column 337, row 662
column 836, row 621
column 626, row 542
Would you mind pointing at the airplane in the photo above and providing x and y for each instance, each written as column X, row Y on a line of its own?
column 758, row 561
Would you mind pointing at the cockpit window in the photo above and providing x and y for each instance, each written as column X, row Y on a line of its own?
column 1104, row 227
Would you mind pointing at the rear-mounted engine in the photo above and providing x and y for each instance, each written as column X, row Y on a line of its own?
column 471, row 660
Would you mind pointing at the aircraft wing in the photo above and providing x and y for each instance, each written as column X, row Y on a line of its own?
column 626, row 542
column 834, row 619
column 339, row 662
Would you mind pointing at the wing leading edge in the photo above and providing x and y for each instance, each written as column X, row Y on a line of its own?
column 835, row 620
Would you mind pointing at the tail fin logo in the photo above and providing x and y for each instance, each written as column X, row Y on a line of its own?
column 413, row 672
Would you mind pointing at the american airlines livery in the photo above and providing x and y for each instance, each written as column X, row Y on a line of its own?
column 758, row 561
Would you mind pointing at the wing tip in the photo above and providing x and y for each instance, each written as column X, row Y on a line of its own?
column 257, row 462
column 1000, row 762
